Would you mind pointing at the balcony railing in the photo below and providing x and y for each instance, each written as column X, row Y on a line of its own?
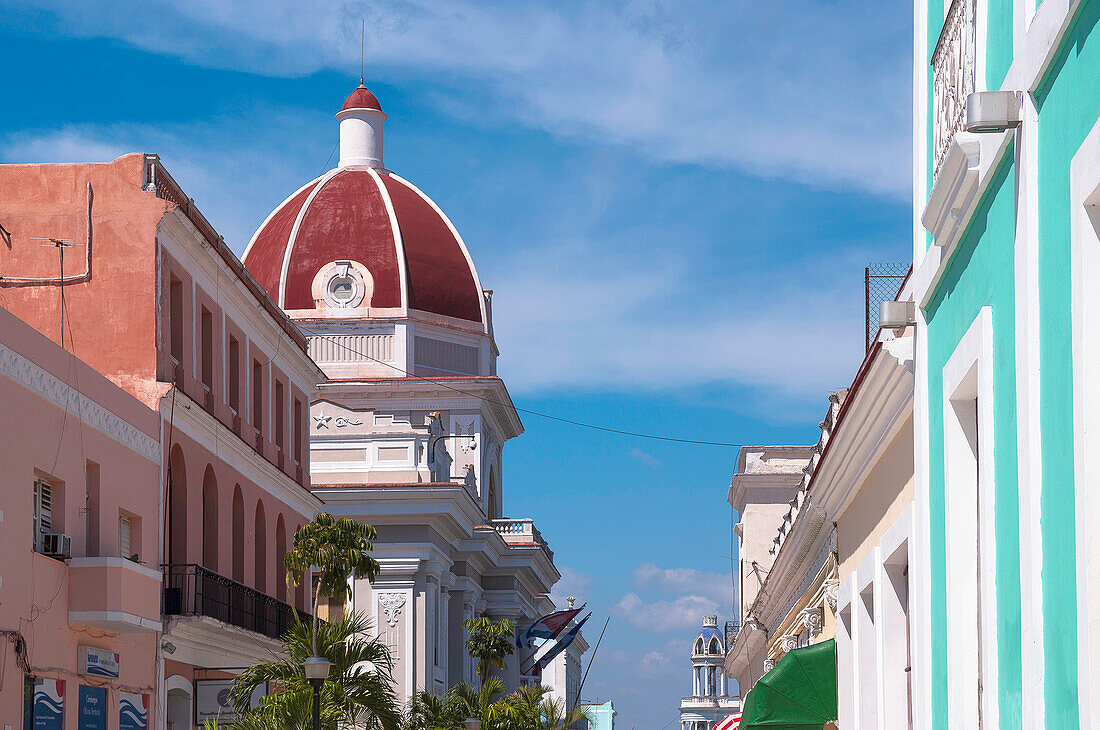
column 521, row 531
column 952, row 77
column 192, row 590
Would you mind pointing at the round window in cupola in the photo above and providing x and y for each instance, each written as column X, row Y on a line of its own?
column 343, row 285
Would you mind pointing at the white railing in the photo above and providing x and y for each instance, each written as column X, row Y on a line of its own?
column 952, row 77
column 520, row 531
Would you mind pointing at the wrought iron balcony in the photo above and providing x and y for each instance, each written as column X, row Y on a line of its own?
column 952, row 77
column 192, row 590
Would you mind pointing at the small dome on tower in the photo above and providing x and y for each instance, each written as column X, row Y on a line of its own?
column 361, row 98
column 709, row 640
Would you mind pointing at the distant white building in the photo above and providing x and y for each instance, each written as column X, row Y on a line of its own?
column 709, row 702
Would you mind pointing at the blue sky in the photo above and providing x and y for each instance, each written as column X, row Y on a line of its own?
column 673, row 202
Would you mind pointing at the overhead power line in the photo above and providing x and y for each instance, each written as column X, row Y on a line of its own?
column 528, row 411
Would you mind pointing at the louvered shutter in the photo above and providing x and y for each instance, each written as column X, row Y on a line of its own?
column 43, row 511
column 124, row 536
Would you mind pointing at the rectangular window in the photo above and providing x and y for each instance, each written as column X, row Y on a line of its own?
column 43, row 512
column 297, row 430
column 91, row 477
column 125, row 549
column 280, row 415
column 234, row 374
column 257, row 396
column 175, row 317
column 207, row 326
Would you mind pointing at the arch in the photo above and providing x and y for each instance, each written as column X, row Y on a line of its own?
column 260, row 579
column 179, row 701
column 210, row 519
column 238, row 534
column 280, row 554
column 699, row 645
column 492, row 506
column 177, row 507
column 714, row 647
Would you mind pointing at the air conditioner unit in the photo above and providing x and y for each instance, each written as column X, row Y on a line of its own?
column 57, row 545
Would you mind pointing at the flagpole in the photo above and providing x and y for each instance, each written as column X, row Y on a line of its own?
column 590, row 660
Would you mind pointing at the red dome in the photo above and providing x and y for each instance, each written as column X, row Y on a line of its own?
column 361, row 99
column 415, row 256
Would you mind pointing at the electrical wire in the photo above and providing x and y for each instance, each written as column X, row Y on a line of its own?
column 528, row 411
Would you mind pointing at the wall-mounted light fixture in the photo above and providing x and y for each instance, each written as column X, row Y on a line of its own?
column 896, row 315
column 993, row 111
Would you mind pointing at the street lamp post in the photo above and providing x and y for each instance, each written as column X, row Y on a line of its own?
column 316, row 669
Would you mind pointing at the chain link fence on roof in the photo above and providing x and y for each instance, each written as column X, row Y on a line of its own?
column 881, row 283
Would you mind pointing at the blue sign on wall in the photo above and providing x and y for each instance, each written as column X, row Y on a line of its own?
column 48, row 703
column 91, row 708
column 133, row 711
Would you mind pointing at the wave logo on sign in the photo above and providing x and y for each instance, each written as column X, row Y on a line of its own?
column 96, row 665
column 133, row 711
column 48, row 703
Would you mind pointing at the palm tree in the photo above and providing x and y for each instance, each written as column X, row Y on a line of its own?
column 353, row 696
column 428, row 711
column 489, row 642
column 477, row 702
column 532, row 709
column 339, row 548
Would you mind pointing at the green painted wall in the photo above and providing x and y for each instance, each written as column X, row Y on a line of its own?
column 1069, row 105
column 998, row 42
column 980, row 274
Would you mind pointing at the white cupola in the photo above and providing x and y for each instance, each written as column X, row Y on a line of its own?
column 361, row 119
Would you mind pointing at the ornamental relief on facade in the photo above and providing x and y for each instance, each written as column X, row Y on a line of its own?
column 391, row 605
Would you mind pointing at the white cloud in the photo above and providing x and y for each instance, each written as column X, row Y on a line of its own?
column 645, row 457
column 682, row 613
column 808, row 90
column 792, row 331
column 716, row 586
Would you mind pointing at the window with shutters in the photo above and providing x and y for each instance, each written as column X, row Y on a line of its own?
column 124, row 547
column 129, row 536
column 43, row 511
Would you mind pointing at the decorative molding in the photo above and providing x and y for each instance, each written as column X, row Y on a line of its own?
column 392, row 604
column 43, row 384
column 812, row 621
column 832, row 589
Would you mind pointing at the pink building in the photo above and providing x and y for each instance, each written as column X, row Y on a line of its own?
column 155, row 301
column 79, row 503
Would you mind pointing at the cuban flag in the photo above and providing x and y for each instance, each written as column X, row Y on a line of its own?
column 563, row 642
column 547, row 627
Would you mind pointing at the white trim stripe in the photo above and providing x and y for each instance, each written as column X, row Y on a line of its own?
column 43, row 384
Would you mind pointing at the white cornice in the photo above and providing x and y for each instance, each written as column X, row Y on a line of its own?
column 43, row 384
column 190, row 418
column 873, row 416
column 964, row 177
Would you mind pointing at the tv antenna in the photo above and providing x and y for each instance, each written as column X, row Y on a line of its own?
column 60, row 244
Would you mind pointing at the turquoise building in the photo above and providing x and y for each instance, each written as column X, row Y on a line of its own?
column 601, row 716
column 1005, row 585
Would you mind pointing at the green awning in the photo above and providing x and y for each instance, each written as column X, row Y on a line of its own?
column 799, row 693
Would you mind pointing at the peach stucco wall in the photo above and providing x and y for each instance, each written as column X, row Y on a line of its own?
column 39, row 440
column 881, row 499
column 113, row 315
